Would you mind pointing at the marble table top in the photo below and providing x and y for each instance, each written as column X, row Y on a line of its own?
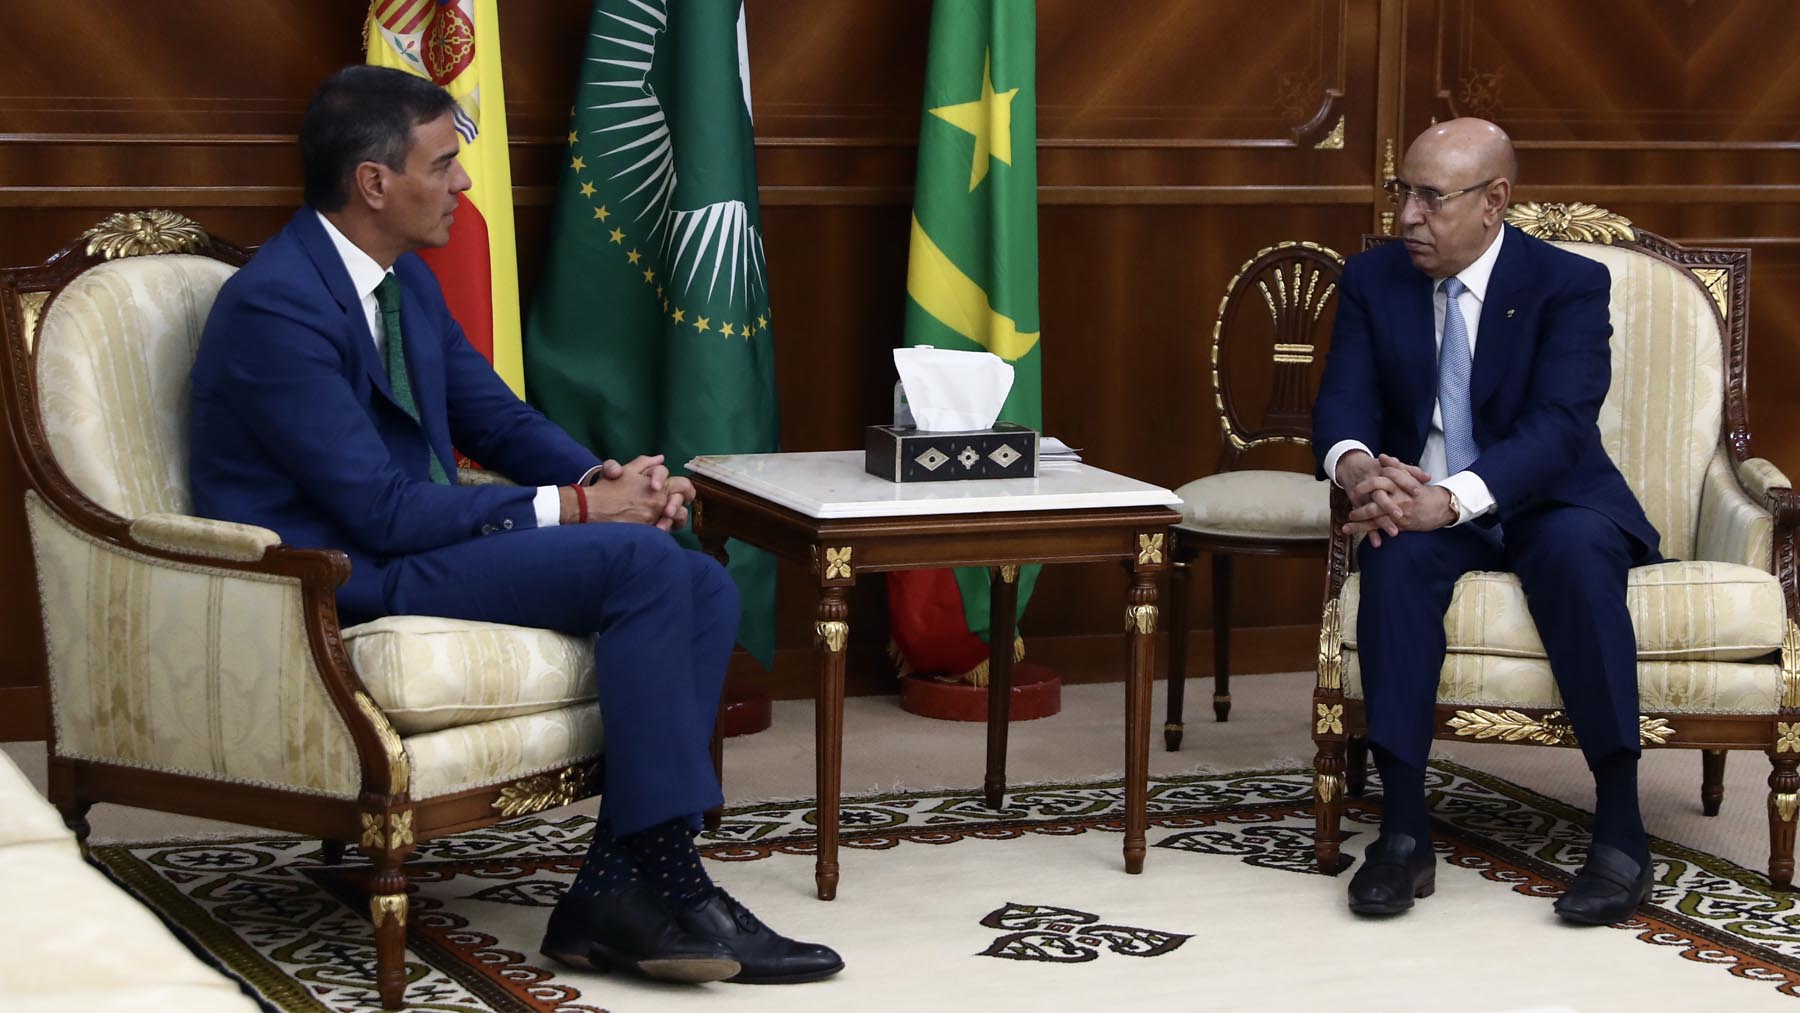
column 832, row 484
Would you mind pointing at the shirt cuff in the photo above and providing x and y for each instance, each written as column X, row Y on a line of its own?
column 1337, row 451
column 1471, row 492
column 547, row 504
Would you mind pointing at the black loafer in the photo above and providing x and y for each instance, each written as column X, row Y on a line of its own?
column 634, row 930
column 1609, row 887
column 1396, row 869
column 768, row 958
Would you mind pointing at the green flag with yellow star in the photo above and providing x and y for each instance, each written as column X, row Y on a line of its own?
column 972, row 276
column 650, row 332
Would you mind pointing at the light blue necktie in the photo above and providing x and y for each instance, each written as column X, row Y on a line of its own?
column 1454, row 364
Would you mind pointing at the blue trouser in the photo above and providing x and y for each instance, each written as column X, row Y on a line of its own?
column 664, row 620
column 1572, row 562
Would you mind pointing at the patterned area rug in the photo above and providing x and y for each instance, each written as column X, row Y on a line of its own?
column 946, row 902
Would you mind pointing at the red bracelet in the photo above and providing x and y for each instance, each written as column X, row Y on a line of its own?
column 580, row 503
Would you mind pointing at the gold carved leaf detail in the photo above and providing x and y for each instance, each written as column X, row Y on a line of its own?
column 1328, row 786
column 399, row 766
column 1331, row 647
column 31, row 309
column 1141, row 618
column 137, row 233
column 1786, row 804
column 837, row 562
column 1787, row 737
column 383, row 906
column 1717, row 281
column 1578, row 222
column 1509, row 725
column 371, row 832
column 1333, row 141
column 833, row 633
column 1790, row 666
column 1654, row 731
column 1150, row 549
column 545, row 791
column 1331, row 718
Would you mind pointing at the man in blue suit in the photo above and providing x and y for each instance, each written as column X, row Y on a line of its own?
column 329, row 389
column 1459, row 411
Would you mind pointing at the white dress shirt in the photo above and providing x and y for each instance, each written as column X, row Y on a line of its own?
column 1469, row 489
column 365, row 277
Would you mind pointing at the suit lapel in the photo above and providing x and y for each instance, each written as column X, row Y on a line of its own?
column 1417, row 335
column 1495, row 342
column 331, row 268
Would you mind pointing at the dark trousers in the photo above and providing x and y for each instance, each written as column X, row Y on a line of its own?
column 664, row 620
column 1572, row 562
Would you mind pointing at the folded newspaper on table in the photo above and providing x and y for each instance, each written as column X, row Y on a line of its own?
column 955, row 399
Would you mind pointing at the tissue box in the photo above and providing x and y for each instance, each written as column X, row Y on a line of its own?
column 904, row 454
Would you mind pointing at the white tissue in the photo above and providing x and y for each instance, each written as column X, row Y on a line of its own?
column 951, row 391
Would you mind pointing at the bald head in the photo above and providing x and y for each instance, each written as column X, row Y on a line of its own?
column 1471, row 163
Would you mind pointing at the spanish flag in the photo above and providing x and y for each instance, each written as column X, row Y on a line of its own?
column 456, row 44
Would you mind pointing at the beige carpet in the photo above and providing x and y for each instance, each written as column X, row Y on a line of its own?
column 886, row 748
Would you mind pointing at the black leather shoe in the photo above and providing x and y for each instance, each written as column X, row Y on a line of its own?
column 1396, row 869
column 634, row 930
column 1609, row 887
column 768, row 958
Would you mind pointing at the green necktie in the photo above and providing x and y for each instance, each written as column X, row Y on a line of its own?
column 387, row 296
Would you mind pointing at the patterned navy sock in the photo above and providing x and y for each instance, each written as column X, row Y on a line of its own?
column 669, row 862
column 1402, row 797
column 1617, row 820
column 609, row 867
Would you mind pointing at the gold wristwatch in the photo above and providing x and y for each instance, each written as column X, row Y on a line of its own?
column 1456, row 506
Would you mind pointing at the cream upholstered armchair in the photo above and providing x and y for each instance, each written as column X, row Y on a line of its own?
column 1718, row 649
column 1265, row 373
column 197, row 666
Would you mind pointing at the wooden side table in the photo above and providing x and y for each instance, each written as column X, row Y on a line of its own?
column 822, row 510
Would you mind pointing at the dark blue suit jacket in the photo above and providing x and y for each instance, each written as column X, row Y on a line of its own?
column 295, row 428
column 1542, row 368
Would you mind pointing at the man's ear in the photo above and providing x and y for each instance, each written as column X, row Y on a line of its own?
column 1496, row 198
column 368, row 182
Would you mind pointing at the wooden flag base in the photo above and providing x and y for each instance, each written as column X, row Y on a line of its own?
column 1036, row 693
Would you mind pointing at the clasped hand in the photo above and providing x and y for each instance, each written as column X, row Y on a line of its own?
column 641, row 492
column 1388, row 496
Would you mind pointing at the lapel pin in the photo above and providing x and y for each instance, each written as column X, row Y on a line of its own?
column 1509, row 314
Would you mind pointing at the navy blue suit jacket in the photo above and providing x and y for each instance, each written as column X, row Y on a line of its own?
column 1542, row 368
column 295, row 428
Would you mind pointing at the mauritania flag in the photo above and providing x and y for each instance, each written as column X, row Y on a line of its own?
column 456, row 43
column 650, row 332
column 972, row 277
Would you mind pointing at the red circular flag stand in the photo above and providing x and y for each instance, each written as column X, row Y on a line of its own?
column 1036, row 693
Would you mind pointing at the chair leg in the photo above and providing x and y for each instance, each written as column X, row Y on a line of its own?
column 1784, row 800
column 331, row 852
column 69, row 805
column 1328, row 804
column 1178, row 637
column 1221, row 570
column 387, row 910
column 1356, row 765
column 1712, row 780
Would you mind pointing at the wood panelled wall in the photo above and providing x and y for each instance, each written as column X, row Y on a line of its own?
column 1176, row 138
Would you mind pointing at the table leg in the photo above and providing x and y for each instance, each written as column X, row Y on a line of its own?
column 828, row 732
column 714, row 546
column 1140, row 627
column 1003, row 601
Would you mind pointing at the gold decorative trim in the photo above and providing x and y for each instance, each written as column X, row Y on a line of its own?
column 1654, row 731
column 1577, row 222
column 1141, row 618
column 1009, row 574
column 371, row 834
column 1218, row 333
column 1511, row 726
column 1297, row 354
column 1331, row 647
column 1150, row 549
column 1786, row 804
column 1172, row 726
column 1790, row 666
column 1333, row 141
column 837, row 562
column 834, row 633
column 1717, row 281
column 31, row 310
column 382, row 906
column 1787, row 737
column 1327, row 786
column 137, row 233
column 399, row 766
column 1331, row 718
column 545, row 791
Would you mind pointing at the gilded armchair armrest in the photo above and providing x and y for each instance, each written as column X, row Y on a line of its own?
column 1766, row 484
column 1736, row 526
column 199, row 536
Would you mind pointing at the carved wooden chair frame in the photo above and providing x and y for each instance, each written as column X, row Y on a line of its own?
column 1339, row 723
column 1296, row 312
column 384, row 822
